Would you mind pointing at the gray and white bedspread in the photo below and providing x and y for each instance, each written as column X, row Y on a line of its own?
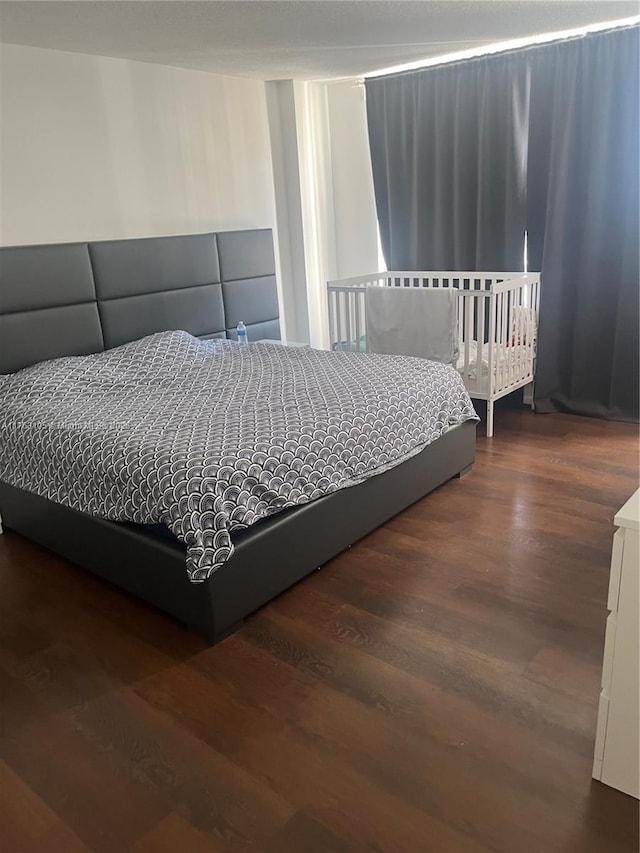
column 209, row 436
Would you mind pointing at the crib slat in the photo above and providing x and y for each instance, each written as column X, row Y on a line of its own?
column 467, row 335
column 524, row 349
column 347, row 318
column 505, row 339
column 496, row 339
column 517, row 359
column 498, row 347
column 338, row 320
column 522, row 361
column 333, row 334
column 353, row 312
column 479, row 304
column 529, row 332
column 513, row 352
column 513, row 335
column 509, row 348
column 493, row 311
column 363, row 318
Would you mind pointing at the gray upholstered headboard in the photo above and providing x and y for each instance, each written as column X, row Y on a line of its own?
column 79, row 298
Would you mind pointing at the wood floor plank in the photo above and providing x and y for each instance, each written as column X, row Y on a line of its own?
column 293, row 765
column 304, row 832
column 445, row 717
column 208, row 789
column 19, row 705
column 175, row 834
column 88, row 788
column 556, row 668
column 27, row 824
column 433, row 688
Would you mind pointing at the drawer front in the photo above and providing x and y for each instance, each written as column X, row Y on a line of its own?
column 616, row 569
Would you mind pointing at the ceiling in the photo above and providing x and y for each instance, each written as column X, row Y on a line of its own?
column 307, row 39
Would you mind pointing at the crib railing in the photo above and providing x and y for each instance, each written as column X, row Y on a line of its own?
column 513, row 333
column 497, row 322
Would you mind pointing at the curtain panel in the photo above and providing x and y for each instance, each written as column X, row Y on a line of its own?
column 448, row 148
column 583, row 179
column 467, row 157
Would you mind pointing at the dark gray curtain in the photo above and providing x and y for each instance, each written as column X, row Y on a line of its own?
column 583, row 224
column 467, row 156
column 448, row 148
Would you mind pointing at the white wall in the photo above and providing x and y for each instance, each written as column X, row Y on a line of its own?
column 316, row 188
column 96, row 148
column 281, row 108
column 356, row 224
column 324, row 194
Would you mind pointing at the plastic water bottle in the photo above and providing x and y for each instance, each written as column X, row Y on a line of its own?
column 241, row 329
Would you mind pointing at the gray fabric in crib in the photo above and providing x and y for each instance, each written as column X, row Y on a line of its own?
column 418, row 321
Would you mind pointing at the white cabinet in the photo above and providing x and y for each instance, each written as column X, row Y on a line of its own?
column 617, row 750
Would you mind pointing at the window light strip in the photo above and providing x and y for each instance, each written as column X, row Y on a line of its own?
column 499, row 47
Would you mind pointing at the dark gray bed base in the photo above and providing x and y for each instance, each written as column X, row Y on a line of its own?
column 79, row 298
column 268, row 558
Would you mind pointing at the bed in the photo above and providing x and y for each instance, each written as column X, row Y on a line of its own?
column 96, row 304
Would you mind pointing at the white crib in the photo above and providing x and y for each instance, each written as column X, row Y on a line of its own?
column 497, row 324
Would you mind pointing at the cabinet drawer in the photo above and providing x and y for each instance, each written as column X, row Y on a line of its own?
column 616, row 569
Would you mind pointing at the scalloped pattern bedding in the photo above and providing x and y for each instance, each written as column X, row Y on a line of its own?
column 210, row 436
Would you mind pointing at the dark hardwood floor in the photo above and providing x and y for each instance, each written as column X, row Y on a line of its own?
column 434, row 688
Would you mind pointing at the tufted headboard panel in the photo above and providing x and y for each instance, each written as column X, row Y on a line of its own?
column 79, row 298
column 249, row 284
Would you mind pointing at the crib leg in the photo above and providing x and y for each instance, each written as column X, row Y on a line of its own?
column 489, row 418
column 527, row 395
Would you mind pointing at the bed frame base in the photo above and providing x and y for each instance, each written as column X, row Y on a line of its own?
column 465, row 471
column 268, row 558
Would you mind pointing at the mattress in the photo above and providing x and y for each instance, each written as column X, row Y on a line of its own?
column 501, row 358
column 209, row 437
column 500, row 353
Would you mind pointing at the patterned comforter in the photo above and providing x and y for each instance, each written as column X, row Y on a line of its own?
column 209, row 436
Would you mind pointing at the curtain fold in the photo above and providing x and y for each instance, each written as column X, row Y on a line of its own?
column 583, row 179
column 448, row 148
